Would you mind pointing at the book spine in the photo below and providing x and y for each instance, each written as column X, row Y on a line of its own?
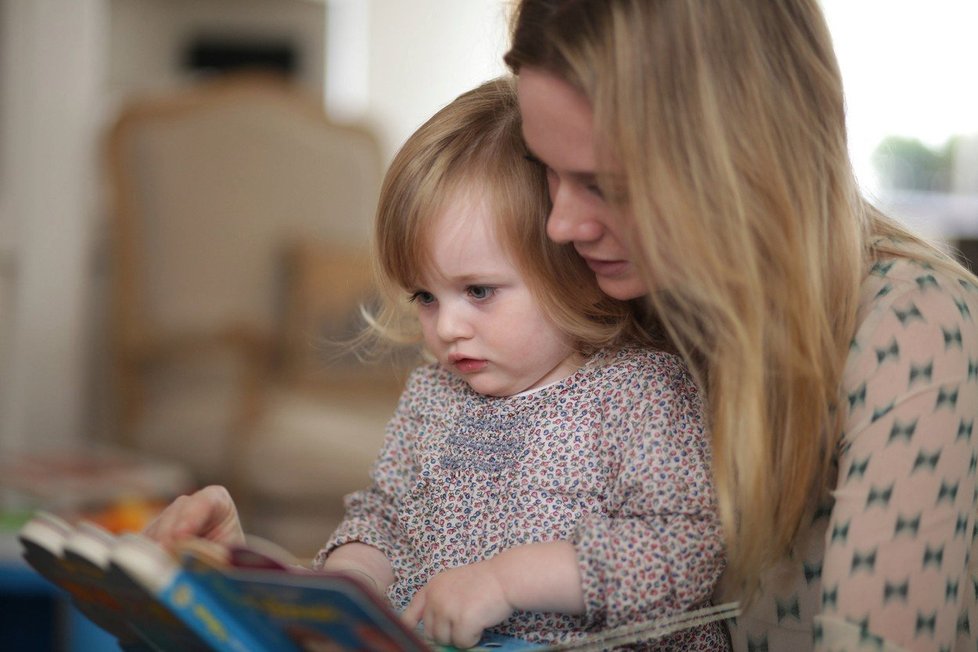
column 225, row 628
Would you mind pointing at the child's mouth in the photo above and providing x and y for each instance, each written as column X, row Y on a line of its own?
column 469, row 365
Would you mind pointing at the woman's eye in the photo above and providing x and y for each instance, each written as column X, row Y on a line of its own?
column 595, row 190
column 422, row 297
column 481, row 291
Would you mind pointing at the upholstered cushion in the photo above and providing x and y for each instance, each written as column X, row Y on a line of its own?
column 190, row 410
column 308, row 447
column 305, row 454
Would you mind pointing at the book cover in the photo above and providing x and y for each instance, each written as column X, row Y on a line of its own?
column 213, row 599
column 42, row 539
column 315, row 609
column 253, row 598
column 85, row 561
column 219, row 624
column 74, row 560
column 152, row 621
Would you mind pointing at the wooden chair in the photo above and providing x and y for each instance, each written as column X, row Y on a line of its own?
column 235, row 203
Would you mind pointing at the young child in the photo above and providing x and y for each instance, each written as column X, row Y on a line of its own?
column 549, row 474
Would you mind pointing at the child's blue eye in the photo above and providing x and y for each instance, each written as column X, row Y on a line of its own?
column 481, row 291
column 422, row 297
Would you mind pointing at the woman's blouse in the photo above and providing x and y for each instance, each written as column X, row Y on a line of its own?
column 613, row 458
column 888, row 563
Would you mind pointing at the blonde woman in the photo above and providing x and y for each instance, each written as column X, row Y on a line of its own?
column 696, row 155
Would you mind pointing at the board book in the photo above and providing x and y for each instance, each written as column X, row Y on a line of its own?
column 254, row 598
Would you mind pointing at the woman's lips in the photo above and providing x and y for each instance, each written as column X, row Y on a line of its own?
column 469, row 365
column 607, row 267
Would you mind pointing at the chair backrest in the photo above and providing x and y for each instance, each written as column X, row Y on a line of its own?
column 211, row 184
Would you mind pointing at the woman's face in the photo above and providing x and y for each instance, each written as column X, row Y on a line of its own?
column 558, row 129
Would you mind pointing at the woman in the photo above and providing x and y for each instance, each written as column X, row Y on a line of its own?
column 696, row 154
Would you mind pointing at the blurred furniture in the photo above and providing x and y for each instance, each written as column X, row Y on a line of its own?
column 240, row 222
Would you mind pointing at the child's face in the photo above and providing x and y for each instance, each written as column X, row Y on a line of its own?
column 477, row 314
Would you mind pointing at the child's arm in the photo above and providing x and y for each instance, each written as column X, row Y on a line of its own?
column 459, row 603
column 363, row 560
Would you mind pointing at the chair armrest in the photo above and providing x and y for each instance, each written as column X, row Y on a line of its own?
column 251, row 347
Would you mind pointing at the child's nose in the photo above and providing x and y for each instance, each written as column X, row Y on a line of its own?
column 453, row 324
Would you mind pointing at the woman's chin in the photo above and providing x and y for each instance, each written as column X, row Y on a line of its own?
column 623, row 287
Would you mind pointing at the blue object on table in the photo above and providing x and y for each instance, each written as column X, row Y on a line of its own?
column 36, row 616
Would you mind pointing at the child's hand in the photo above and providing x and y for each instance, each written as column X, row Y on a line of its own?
column 457, row 604
column 208, row 514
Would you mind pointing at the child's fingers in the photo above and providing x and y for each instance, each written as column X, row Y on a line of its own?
column 440, row 629
column 443, row 628
column 217, row 516
column 209, row 513
column 463, row 636
column 412, row 613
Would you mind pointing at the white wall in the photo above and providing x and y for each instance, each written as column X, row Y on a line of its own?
column 908, row 70
column 51, row 54
column 423, row 53
column 148, row 37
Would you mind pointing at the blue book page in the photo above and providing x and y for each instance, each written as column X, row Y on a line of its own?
column 314, row 610
column 150, row 618
column 492, row 642
column 326, row 611
column 220, row 623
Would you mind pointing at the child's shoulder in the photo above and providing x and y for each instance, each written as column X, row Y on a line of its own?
column 632, row 380
column 641, row 366
column 639, row 360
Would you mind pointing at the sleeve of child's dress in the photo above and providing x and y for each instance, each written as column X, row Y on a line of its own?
column 657, row 549
column 371, row 513
column 901, row 533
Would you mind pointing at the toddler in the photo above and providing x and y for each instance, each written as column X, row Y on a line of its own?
column 547, row 475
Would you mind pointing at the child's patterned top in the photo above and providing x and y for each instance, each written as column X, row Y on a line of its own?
column 613, row 458
column 893, row 553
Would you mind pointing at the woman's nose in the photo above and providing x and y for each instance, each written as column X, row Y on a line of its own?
column 570, row 220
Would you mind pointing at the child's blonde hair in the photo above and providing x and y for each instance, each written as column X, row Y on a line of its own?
column 474, row 145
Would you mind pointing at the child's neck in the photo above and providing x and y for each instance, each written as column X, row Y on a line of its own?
column 566, row 369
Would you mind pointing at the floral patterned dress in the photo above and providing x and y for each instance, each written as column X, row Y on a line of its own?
column 613, row 458
column 888, row 563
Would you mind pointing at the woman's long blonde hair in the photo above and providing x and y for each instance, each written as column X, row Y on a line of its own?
column 474, row 144
column 726, row 120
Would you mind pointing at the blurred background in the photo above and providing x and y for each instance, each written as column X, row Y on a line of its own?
column 181, row 237
column 68, row 68
column 186, row 189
